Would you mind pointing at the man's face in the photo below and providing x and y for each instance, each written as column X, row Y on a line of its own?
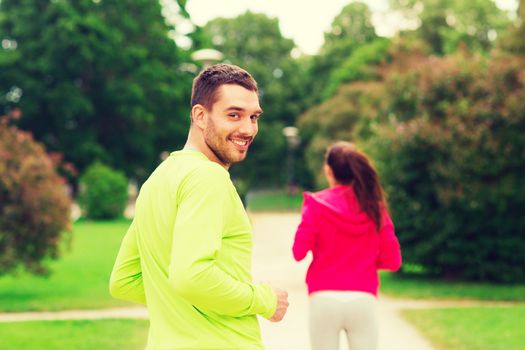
column 231, row 124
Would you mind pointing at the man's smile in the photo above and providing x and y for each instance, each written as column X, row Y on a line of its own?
column 241, row 143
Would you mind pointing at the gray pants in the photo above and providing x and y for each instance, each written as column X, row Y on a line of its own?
column 334, row 311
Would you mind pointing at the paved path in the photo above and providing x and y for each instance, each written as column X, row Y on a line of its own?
column 272, row 262
column 129, row 312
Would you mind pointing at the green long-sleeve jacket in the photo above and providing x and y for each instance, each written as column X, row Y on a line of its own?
column 187, row 256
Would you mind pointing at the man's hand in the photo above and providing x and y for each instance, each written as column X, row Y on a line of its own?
column 282, row 305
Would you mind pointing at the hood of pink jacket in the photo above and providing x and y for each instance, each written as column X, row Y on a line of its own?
column 337, row 208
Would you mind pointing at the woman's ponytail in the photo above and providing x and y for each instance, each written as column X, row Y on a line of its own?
column 351, row 167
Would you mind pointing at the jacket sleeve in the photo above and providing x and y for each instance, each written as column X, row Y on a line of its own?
column 203, row 202
column 389, row 250
column 306, row 232
column 126, row 278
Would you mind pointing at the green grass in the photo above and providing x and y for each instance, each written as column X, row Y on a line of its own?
column 494, row 328
column 480, row 328
column 78, row 335
column 419, row 288
column 274, row 201
column 79, row 279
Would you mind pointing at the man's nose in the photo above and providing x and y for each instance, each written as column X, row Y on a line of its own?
column 248, row 127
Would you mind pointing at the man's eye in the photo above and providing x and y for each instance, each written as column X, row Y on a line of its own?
column 234, row 115
column 254, row 117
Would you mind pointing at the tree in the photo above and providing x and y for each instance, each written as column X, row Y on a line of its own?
column 450, row 150
column 254, row 42
column 351, row 29
column 513, row 40
column 99, row 79
column 447, row 136
column 34, row 203
column 351, row 51
column 359, row 101
column 360, row 65
column 342, row 117
column 447, row 24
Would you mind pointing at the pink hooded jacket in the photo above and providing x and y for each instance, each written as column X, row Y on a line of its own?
column 346, row 247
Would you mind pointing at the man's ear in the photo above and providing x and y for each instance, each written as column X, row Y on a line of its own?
column 199, row 116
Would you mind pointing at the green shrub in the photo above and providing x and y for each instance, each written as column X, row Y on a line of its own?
column 103, row 192
column 34, row 203
column 453, row 162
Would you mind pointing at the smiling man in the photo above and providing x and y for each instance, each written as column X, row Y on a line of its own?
column 187, row 253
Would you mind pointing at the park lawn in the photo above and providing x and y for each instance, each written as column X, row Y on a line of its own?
column 480, row 328
column 273, row 201
column 78, row 335
column 79, row 279
column 420, row 288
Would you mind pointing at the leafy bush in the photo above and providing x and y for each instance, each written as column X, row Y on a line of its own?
column 34, row 203
column 452, row 157
column 103, row 192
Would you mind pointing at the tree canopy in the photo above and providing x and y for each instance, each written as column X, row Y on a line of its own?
column 446, row 24
column 98, row 80
column 351, row 29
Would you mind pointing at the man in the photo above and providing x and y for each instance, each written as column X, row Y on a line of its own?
column 187, row 253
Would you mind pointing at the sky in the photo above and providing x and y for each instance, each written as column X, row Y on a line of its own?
column 301, row 20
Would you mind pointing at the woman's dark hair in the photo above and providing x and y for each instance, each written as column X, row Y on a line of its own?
column 352, row 167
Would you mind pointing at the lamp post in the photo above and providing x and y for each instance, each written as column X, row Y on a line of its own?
column 292, row 140
column 207, row 57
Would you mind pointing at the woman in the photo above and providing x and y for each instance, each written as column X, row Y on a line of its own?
column 351, row 236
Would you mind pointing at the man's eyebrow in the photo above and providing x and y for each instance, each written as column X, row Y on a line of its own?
column 240, row 109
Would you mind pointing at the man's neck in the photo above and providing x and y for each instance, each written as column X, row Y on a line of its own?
column 198, row 144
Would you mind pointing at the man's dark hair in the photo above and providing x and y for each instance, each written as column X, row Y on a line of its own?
column 206, row 84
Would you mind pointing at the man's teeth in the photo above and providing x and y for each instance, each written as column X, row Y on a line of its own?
column 240, row 143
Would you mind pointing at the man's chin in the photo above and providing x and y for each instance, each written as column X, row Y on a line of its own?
column 238, row 158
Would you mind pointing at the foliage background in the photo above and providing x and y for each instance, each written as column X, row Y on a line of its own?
column 439, row 107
